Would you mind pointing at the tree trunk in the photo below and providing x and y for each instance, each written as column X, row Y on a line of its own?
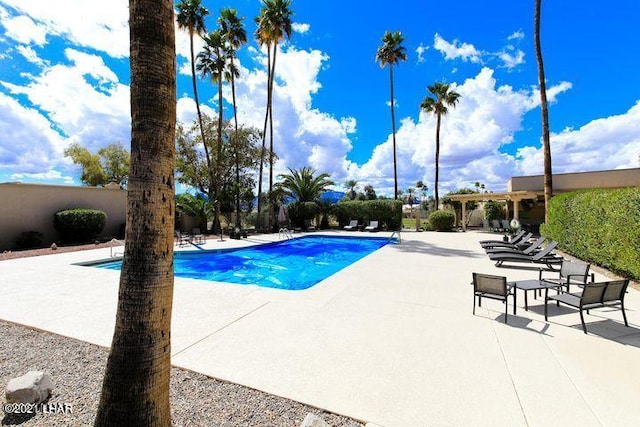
column 271, row 201
column 546, row 143
column 435, row 187
column 235, row 145
column 219, row 157
column 264, row 134
column 135, row 390
column 393, row 128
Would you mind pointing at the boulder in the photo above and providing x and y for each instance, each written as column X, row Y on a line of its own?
column 312, row 420
column 32, row 387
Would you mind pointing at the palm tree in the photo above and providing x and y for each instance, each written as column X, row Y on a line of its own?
column 546, row 143
column 439, row 106
column 392, row 52
column 235, row 36
column 135, row 389
column 274, row 24
column 191, row 16
column 198, row 206
column 304, row 185
column 212, row 62
column 352, row 184
column 410, row 198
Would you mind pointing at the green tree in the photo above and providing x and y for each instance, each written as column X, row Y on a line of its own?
column 304, row 185
column 197, row 205
column 274, row 24
column 410, row 195
column 212, row 62
column 135, row 389
column 191, row 16
column 457, row 206
column 235, row 36
column 352, row 184
column 443, row 98
column 546, row 143
column 110, row 164
column 369, row 192
column 391, row 53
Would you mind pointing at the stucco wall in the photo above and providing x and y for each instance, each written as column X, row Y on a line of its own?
column 30, row 207
column 564, row 182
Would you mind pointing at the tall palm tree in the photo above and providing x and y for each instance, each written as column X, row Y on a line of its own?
column 391, row 53
column 135, row 389
column 304, row 185
column 234, row 36
column 444, row 97
column 191, row 16
column 546, row 143
column 274, row 24
column 212, row 62
column 352, row 184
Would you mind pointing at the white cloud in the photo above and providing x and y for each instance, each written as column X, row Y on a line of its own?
column 511, row 60
column 103, row 26
column 48, row 176
column 30, row 55
column 23, row 30
column 420, row 50
column 517, row 35
column 300, row 27
column 464, row 51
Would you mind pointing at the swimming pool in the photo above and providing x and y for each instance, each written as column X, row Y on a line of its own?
column 293, row 264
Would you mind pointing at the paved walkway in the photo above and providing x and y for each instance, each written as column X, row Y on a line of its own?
column 389, row 340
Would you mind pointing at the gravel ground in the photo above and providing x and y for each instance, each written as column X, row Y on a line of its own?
column 76, row 369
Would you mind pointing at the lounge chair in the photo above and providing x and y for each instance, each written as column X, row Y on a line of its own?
column 495, row 225
column 494, row 287
column 353, row 225
column 527, row 249
column 373, row 226
column 544, row 257
column 519, row 239
column 515, row 237
column 570, row 273
column 505, row 225
column 594, row 295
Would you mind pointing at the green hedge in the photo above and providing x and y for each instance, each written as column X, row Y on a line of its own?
column 387, row 212
column 442, row 220
column 79, row 225
column 599, row 226
column 299, row 212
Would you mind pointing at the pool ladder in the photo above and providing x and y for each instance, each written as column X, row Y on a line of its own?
column 285, row 233
column 397, row 235
column 111, row 252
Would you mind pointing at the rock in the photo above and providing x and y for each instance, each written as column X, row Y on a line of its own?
column 54, row 246
column 32, row 387
column 312, row 420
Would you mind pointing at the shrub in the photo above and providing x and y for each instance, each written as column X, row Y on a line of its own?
column 29, row 240
column 79, row 225
column 387, row 212
column 599, row 226
column 493, row 210
column 299, row 212
column 442, row 220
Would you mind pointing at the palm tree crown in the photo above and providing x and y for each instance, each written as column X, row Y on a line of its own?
column 191, row 16
column 391, row 53
column 303, row 186
column 444, row 97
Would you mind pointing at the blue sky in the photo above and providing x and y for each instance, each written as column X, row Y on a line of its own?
column 64, row 78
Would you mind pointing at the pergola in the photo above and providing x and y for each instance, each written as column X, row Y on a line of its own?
column 511, row 196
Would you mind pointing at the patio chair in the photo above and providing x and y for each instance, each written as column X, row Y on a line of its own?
column 493, row 287
column 197, row 236
column 373, row 226
column 183, row 239
column 594, row 295
column 527, row 248
column 495, row 225
column 514, row 237
column 571, row 272
column 543, row 257
column 519, row 239
column 353, row 225
column 505, row 225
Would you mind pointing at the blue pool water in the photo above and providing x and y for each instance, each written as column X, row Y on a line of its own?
column 289, row 264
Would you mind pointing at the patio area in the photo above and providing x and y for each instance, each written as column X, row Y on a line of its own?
column 390, row 340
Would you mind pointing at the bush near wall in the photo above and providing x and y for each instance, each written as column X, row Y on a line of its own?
column 387, row 212
column 442, row 220
column 79, row 225
column 599, row 226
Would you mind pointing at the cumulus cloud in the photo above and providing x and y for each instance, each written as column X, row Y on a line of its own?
column 456, row 49
column 517, row 35
column 300, row 28
column 24, row 30
column 102, row 26
column 511, row 59
column 48, row 176
column 420, row 50
column 30, row 55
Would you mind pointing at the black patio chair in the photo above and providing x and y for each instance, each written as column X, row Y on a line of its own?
column 493, row 287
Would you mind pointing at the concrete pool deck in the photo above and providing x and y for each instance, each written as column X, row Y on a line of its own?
column 389, row 340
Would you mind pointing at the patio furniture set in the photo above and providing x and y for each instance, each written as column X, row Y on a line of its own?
column 590, row 295
column 185, row 239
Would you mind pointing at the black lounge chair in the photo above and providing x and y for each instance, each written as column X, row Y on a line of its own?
column 512, row 240
column 494, row 287
column 373, row 226
column 544, row 257
column 570, row 273
column 529, row 249
column 594, row 295
column 353, row 225
column 514, row 244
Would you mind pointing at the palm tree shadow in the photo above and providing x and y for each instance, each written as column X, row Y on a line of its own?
column 416, row 246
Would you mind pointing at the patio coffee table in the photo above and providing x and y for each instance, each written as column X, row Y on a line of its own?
column 532, row 285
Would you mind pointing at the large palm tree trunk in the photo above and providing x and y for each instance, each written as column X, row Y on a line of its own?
column 135, row 389
column 219, row 158
column 393, row 129
column 235, row 144
column 273, row 73
column 546, row 143
column 264, row 133
column 435, row 189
